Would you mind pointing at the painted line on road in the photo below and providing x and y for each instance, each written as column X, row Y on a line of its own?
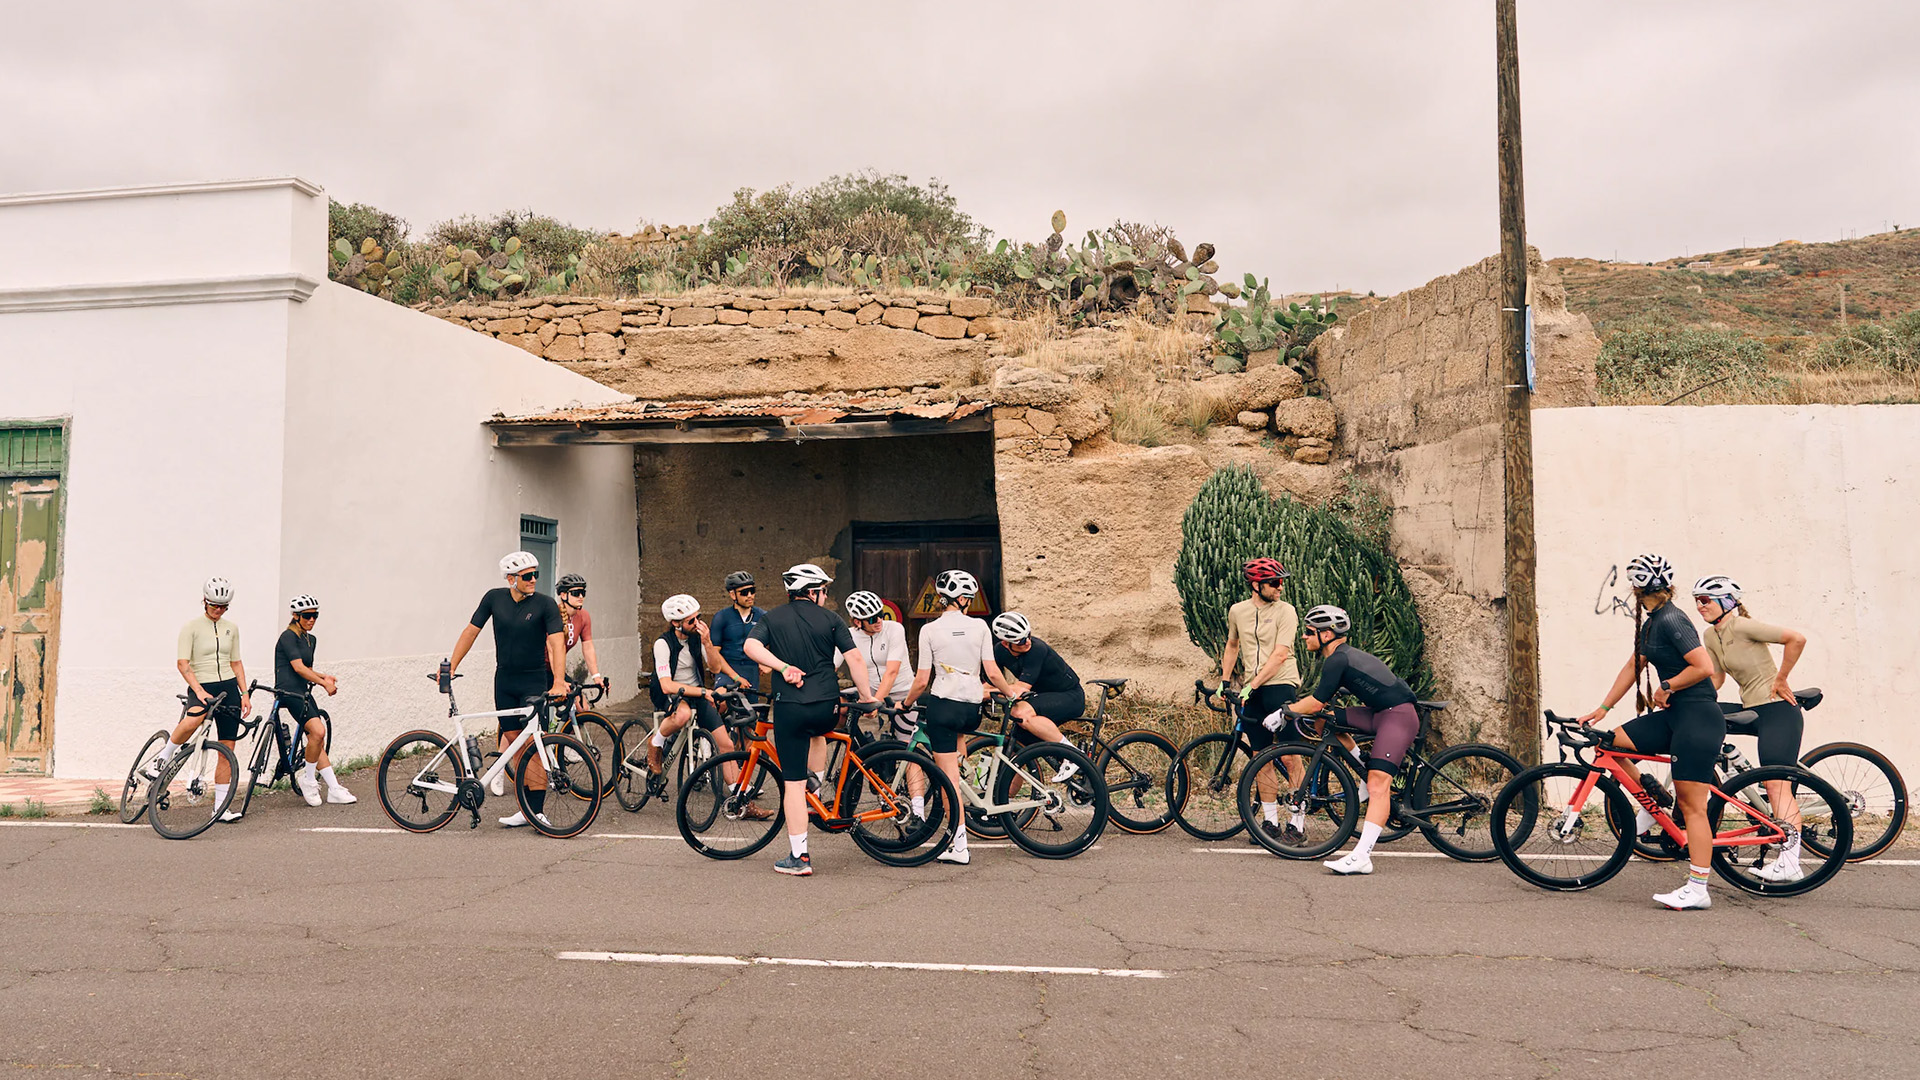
column 1376, row 854
column 889, row 965
column 341, row 829
column 1887, row 862
column 632, row 836
column 69, row 825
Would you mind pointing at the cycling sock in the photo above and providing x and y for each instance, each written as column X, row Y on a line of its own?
column 327, row 775
column 1298, row 821
column 537, row 798
column 1368, row 834
column 1697, row 875
column 797, row 843
column 659, row 740
column 1270, row 811
column 959, row 845
column 166, row 752
column 220, row 793
column 919, row 806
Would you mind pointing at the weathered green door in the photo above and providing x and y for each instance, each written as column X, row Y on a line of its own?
column 29, row 608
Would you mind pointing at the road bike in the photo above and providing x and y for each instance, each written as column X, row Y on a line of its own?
column 181, row 798
column 866, row 793
column 568, row 717
column 1021, row 795
column 635, row 782
column 1448, row 796
column 279, row 746
column 1875, row 792
column 425, row 778
column 1550, row 823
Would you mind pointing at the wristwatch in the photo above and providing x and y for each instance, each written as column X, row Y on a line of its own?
column 1664, row 685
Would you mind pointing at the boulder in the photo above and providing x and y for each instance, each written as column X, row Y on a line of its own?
column 1041, row 421
column 870, row 313
column 1313, row 455
column 692, row 316
column 1030, row 386
column 1311, row 417
column 600, row 322
column 942, row 326
column 900, row 317
column 803, row 317
column 766, row 317
column 569, row 326
column 507, row 326
column 748, row 303
column 1252, row 421
column 986, row 326
column 970, row 307
column 1083, row 417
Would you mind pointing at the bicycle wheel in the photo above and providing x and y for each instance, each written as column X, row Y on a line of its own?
column 572, row 798
column 1550, row 842
column 1208, row 769
column 698, row 751
column 1823, row 813
column 603, row 743
column 974, row 768
column 1136, row 767
column 1874, row 792
column 729, row 831
column 1325, row 807
column 187, row 799
column 1454, row 793
column 881, row 795
column 409, row 761
column 133, row 793
column 630, row 773
column 1654, row 846
column 1071, row 814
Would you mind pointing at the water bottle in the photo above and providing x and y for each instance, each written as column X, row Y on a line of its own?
column 446, row 676
column 473, row 752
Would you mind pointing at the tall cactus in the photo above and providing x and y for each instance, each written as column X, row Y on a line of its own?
column 1233, row 519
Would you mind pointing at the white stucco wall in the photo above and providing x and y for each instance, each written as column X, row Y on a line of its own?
column 319, row 440
column 1813, row 509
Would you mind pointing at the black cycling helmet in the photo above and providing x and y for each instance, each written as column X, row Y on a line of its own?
column 739, row 579
column 570, row 582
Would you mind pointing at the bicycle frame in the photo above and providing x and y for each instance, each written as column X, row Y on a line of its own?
column 530, row 734
column 759, row 746
column 1608, row 761
column 987, row 780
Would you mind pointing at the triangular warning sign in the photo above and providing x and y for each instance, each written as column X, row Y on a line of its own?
column 929, row 604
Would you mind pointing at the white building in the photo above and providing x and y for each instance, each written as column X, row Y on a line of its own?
column 183, row 393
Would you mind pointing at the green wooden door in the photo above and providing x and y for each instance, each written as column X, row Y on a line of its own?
column 29, row 608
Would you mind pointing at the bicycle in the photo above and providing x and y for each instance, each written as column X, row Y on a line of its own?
column 869, row 789
column 181, row 798
column 1449, row 798
column 286, row 742
column 634, row 782
column 1006, row 796
column 1549, row 832
column 1873, row 788
column 593, row 730
column 426, row 778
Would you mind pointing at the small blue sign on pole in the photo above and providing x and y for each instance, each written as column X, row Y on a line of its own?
column 1530, row 379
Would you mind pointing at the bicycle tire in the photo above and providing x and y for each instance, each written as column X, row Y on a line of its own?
column 1826, row 810
column 133, row 792
column 574, row 776
column 400, row 764
column 1470, row 775
column 1534, row 829
column 1137, row 791
column 1072, row 818
column 880, row 783
column 630, row 773
column 1875, row 793
column 603, row 742
column 1327, row 798
column 728, row 835
column 1207, row 807
column 185, row 801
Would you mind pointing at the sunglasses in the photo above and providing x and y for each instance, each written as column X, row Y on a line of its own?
column 582, row 593
column 531, row 575
column 219, row 607
column 747, row 591
column 307, row 615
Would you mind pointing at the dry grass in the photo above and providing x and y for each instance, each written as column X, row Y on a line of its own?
column 1148, row 367
column 1794, row 383
column 1179, row 721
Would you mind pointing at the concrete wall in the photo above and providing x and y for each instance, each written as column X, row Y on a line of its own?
column 1415, row 382
column 1811, row 508
column 707, row 509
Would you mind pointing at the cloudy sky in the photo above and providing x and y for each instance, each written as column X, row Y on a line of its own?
column 1327, row 145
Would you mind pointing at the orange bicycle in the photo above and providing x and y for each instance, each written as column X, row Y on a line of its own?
column 866, row 795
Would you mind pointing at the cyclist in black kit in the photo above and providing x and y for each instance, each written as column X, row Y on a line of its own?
column 529, row 658
column 796, row 641
column 1032, row 666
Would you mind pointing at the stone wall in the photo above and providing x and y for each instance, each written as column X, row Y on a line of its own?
column 1416, row 382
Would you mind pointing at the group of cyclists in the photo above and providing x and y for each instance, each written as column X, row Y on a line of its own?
column 1672, row 668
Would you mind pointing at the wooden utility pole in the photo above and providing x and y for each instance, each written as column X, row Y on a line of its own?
column 1516, row 426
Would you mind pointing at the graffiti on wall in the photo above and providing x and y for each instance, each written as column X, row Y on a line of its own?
column 1608, row 601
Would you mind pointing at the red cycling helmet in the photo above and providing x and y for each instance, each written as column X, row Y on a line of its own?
column 1264, row 569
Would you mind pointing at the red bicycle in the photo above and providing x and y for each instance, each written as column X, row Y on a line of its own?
column 1550, row 823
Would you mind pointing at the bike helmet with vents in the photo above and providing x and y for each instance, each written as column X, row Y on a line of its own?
column 956, row 585
column 1649, row 572
column 865, row 605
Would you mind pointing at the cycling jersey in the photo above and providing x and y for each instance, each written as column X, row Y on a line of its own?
column 955, row 648
column 1363, row 675
column 1666, row 637
column 579, row 626
column 804, row 634
column 520, row 632
column 1738, row 646
column 1039, row 667
column 881, row 649
column 209, row 647
column 293, row 645
column 729, row 633
column 1265, row 629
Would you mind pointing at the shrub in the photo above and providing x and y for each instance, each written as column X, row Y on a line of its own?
column 1660, row 358
column 358, row 221
column 548, row 241
column 1364, row 509
column 1894, row 348
column 1233, row 519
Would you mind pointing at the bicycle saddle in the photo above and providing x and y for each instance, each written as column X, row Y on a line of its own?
column 864, row 706
column 1742, row 722
column 1111, row 684
column 1432, row 705
column 1808, row 698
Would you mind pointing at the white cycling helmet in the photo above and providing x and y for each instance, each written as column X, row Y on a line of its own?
column 1012, row 626
column 516, row 562
column 1328, row 617
column 679, row 606
column 1648, row 572
column 805, row 576
column 301, row 603
column 865, row 605
column 217, row 590
column 956, row 585
column 1720, row 587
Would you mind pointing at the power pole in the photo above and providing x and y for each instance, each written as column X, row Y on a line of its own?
column 1516, row 425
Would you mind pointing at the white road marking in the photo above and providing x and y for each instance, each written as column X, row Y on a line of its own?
column 632, row 836
column 71, row 825
column 338, row 829
column 891, row 965
column 1376, row 854
column 1888, row 862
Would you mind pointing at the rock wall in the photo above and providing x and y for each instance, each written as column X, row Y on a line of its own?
column 1415, row 381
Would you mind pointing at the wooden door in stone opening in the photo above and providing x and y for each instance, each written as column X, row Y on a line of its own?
column 29, row 612
column 897, row 561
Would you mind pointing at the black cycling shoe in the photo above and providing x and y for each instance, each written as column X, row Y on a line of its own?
column 1268, row 829
column 1291, row 836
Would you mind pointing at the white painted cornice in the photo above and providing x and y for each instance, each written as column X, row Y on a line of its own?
column 304, row 187
column 215, row 290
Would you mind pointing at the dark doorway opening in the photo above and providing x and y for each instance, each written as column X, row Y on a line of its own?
column 898, row 560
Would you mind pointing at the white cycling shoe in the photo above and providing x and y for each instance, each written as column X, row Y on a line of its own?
column 231, row 815
column 308, row 787
column 337, row 795
column 498, row 786
column 515, row 820
column 958, row 858
column 1066, row 772
column 1352, row 863
column 1781, row 871
column 1689, row 897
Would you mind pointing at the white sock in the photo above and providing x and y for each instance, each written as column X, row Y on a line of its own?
column 1298, row 821
column 306, row 772
column 1642, row 821
column 1364, row 794
column 659, row 740
column 327, row 775
column 960, row 840
column 798, row 844
column 919, row 806
column 220, row 793
column 166, row 753
column 1270, row 811
column 1368, row 834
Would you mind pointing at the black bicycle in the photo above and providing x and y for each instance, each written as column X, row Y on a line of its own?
column 280, row 748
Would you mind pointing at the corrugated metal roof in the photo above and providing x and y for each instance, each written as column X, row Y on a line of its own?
column 790, row 416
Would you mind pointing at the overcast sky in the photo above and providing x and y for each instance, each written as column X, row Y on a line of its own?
column 1326, row 145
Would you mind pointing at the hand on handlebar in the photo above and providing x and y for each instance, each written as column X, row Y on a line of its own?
column 1589, row 719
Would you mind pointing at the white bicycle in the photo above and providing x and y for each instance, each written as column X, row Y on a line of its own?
column 426, row 778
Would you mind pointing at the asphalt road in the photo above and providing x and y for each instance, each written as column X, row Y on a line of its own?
column 260, row 949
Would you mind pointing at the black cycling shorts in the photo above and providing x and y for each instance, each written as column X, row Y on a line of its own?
column 945, row 720
column 1060, row 706
column 704, row 713
column 1263, row 702
column 1689, row 731
column 795, row 726
column 1779, row 725
column 302, row 709
column 511, row 692
column 226, row 718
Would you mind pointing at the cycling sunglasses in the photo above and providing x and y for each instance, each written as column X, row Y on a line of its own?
column 531, row 575
column 746, row 590
column 574, row 592
column 306, row 614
